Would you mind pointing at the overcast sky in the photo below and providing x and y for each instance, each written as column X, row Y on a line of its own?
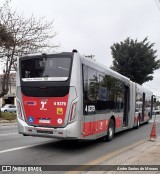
column 92, row 26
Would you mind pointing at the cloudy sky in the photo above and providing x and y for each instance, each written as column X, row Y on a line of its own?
column 92, row 26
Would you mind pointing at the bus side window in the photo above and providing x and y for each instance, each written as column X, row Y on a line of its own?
column 92, row 85
column 102, row 94
column 85, row 81
column 119, row 96
column 111, row 94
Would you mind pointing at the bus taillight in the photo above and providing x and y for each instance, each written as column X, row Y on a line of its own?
column 19, row 110
column 73, row 112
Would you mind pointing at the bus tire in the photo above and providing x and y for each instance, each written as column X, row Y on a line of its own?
column 110, row 131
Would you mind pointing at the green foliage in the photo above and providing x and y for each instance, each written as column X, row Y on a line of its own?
column 8, row 116
column 135, row 60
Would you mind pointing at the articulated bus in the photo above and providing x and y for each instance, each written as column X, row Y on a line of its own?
column 68, row 96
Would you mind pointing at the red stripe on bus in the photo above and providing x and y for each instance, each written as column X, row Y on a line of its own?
column 118, row 122
column 92, row 128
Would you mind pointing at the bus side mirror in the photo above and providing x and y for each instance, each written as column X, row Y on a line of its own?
column 154, row 100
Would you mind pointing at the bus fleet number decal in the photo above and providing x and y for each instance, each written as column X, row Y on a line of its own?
column 90, row 108
column 60, row 103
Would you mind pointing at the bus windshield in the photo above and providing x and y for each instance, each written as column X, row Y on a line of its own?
column 45, row 69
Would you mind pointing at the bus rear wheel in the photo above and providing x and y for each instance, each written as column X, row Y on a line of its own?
column 110, row 132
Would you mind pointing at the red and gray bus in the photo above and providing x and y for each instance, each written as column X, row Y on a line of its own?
column 68, row 96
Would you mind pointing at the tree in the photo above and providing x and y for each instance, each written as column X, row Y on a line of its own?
column 21, row 36
column 135, row 60
column 5, row 37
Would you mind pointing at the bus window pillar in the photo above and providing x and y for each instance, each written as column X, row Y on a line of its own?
column 153, row 100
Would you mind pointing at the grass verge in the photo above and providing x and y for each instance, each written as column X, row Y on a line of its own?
column 8, row 116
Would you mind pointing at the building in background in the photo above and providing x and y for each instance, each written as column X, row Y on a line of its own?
column 11, row 96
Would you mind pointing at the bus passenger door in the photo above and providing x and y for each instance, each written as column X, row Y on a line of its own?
column 126, row 105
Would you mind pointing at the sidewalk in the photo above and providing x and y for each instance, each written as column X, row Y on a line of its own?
column 147, row 153
column 142, row 156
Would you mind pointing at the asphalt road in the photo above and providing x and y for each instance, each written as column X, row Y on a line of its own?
column 16, row 149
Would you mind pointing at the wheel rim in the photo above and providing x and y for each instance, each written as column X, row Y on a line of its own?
column 110, row 132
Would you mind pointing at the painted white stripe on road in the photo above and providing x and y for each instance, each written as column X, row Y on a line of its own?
column 1, row 135
column 19, row 148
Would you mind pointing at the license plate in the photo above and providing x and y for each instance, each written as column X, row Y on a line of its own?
column 44, row 121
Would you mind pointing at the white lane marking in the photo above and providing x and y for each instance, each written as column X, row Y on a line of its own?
column 19, row 148
column 1, row 135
